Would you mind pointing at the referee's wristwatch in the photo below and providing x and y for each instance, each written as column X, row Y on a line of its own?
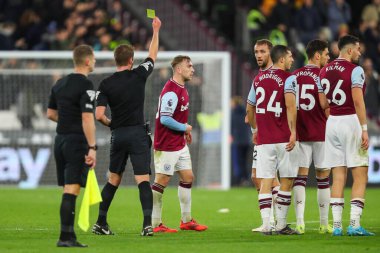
column 95, row 147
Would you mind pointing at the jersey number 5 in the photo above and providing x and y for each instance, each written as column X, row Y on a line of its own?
column 270, row 108
column 305, row 95
column 337, row 91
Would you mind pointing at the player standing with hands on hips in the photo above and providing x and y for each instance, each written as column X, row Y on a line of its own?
column 71, row 105
column 171, row 154
column 124, row 93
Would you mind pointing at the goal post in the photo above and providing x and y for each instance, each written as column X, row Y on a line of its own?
column 27, row 137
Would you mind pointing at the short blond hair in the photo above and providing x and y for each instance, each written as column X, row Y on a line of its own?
column 178, row 59
column 80, row 54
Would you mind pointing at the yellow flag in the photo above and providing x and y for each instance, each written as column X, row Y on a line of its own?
column 91, row 196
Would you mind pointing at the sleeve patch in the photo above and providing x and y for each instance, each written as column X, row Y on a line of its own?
column 91, row 94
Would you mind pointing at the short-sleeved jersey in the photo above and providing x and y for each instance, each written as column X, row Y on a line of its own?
column 311, row 119
column 173, row 102
column 71, row 96
column 269, row 98
column 250, row 94
column 124, row 92
column 337, row 79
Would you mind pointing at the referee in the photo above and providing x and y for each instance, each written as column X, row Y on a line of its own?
column 124, row 93
column 71, row 105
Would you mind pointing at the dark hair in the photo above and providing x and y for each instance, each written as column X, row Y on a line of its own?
column 264, row 42
column 315, row 46
column 80, row 54
column 277, row 52
column 178, row 59
column 122, row 54
column 347, row 40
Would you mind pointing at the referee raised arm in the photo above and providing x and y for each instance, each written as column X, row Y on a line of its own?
column 71, row 105
column 124, row 93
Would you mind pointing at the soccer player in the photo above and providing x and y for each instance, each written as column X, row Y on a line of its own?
column 311, row 124
column 261, row 51
column 275, row 103
column 124, row 93
column 346, row 133
column 71, row 105
column 171, row 154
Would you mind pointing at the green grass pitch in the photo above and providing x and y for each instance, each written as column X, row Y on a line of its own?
column 29, row 222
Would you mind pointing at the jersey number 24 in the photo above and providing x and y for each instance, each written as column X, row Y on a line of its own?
column 270, row 108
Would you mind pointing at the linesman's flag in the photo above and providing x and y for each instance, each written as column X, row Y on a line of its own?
column 91, row 196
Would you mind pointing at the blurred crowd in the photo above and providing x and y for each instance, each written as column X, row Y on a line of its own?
column 64, row 24
column 296, row 22
column 104, row 24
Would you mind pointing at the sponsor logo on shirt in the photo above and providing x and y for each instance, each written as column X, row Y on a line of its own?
column 184, row 107
column 89, row 106
column 91, row 94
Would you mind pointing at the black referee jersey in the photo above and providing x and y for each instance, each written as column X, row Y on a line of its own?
column 124, row 92
column 71, row 96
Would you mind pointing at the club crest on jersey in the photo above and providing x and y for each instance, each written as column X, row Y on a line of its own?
column 182, row 98
column 91, row 94
column 184, row 107
column 167, row 167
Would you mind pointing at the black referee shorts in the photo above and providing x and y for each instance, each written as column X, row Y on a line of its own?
column 133, row 142
column 69, row 152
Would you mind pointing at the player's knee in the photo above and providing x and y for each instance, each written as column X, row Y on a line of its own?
column 188, row 178
column 322, row 173
column 162, row 179
column 73, row 189
column 114, row 179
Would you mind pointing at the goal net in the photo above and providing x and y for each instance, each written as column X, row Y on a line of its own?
column 27, row 137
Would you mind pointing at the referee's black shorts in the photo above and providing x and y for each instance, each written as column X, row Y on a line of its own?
column 69, row 153
column 133, row 142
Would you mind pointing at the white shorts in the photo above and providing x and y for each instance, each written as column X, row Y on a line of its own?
column 254, row 158
column 167, row 162
column 343, row 141
column 273, row 157
column 312, row 151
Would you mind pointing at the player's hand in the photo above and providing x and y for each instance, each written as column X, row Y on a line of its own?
column 365, row 141
column 90, row 158
column 188, row 129
column 292, row 142
column 254, row 138
column 156, row 24
column 189, row 138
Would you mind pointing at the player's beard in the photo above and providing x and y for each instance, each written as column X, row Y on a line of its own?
column 264, row 65
column 186, row 79
column 356, row 61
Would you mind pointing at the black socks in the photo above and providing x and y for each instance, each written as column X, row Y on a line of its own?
column 146, row 199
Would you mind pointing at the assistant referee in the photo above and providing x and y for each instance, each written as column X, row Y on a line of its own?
column 124, row 93
column 71, row 105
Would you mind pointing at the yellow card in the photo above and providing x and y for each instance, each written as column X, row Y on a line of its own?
column 150, row 13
